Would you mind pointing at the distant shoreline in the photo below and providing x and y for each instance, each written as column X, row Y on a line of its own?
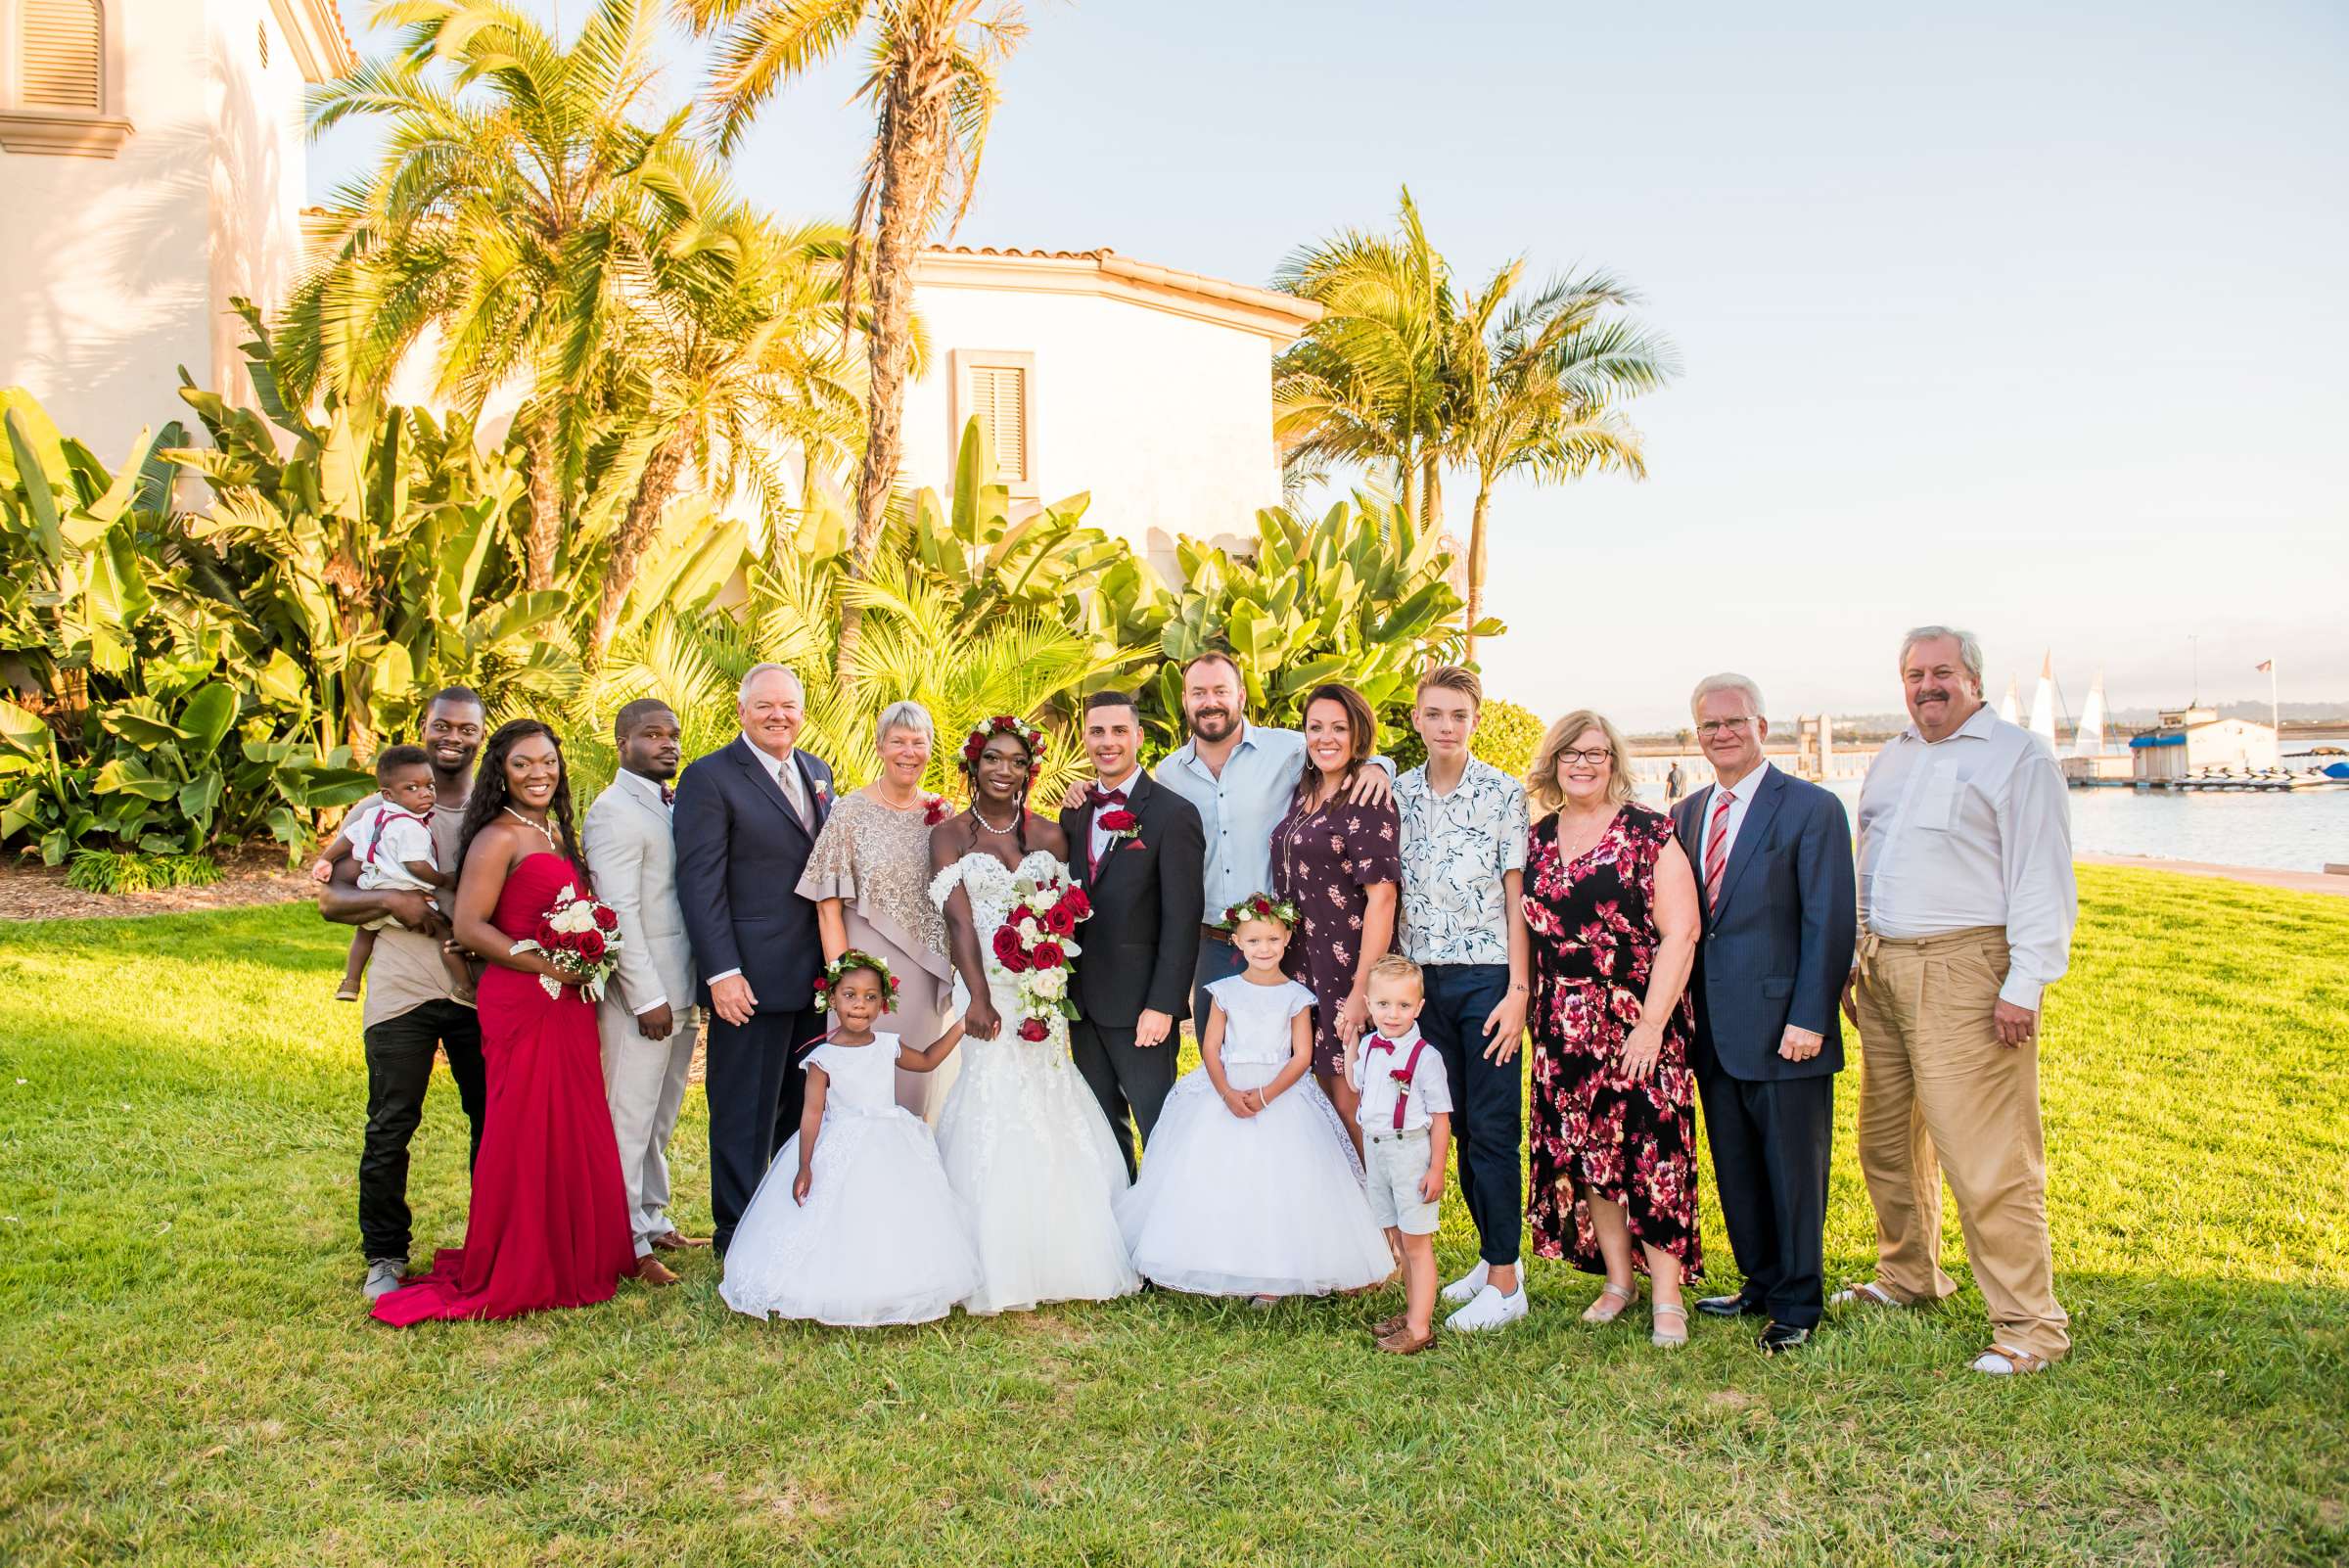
column 2257, row 875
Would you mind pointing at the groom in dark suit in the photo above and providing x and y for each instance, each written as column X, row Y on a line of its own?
column 1774, row 861
column 746, row 816
column 1138, row 852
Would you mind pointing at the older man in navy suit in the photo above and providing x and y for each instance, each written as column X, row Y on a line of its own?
column 1773, row 858
column 746, row 816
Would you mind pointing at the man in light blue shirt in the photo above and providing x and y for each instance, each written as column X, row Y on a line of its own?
column 1242, row 779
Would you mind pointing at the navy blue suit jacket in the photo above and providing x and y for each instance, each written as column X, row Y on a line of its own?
column 741, row 850
column 1777, row 949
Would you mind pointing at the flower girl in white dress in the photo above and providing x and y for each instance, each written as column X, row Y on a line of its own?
column 854, row 1224
column 1250, row 1185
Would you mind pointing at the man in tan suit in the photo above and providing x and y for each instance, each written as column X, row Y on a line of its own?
column 647, row 1017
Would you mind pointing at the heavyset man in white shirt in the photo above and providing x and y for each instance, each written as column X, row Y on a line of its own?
column 1966, row 905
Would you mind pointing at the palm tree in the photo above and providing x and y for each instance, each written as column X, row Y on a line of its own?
column 933, row 88
column 1365, row 384
column 720, row 357
column 513, row 207
column 920, row 644
column 1531, row 388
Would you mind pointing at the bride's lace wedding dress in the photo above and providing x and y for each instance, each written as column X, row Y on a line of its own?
column 1024, row 1143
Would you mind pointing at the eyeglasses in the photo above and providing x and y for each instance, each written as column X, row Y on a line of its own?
column 1587, row 758
column 1721, row 726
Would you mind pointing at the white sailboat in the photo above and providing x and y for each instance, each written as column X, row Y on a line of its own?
column 2042, row 701
column 2010, row 708
column 2089, row 738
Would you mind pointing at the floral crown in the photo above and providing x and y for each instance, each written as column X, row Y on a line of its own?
column 847, row 963
column 1027, row 734
column 1261, row 907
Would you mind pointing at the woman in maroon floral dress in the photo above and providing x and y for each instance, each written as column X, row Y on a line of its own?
column 1340, row 864
column 1611, row 904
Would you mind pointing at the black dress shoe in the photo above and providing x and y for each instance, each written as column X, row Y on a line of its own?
column 1739, row 1305
column 1778, row 1338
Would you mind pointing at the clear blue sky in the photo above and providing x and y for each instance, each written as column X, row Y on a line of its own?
column 2034, row 323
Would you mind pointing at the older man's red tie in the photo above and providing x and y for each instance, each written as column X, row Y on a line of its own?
column 1717, row 839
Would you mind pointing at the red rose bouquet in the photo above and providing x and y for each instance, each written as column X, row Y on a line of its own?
column 1034, row 944
column 581, row 934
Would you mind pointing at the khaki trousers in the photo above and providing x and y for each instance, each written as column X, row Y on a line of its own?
column 1936, row 1082
column 644, row 1083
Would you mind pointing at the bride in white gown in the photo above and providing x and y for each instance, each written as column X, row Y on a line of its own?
column 1025, row 1145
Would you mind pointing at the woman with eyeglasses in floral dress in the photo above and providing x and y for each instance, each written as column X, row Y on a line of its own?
column 1611, row 907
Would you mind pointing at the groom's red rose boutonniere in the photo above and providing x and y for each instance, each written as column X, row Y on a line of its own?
column 1122, row 826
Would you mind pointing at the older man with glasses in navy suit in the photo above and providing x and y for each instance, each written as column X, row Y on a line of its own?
column 1774, row 863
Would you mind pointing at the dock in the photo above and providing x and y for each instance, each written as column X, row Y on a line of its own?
column 2255, row 784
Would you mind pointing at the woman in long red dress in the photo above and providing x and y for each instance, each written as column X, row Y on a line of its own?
column 549, row 1226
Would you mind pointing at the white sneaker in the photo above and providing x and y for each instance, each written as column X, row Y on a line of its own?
column 1468, row 1284
column 384, row 1276
column 1489, row 1309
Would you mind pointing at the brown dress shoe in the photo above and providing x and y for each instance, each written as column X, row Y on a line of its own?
column 1401, row 1342
column 651, row 1271
column 1386, row 1327
column 672, row 1241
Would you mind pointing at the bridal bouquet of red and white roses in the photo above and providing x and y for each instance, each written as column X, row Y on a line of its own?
column 581, row 934
column 1034, row 944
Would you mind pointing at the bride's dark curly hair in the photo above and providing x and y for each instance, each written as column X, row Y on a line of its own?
column 490, row 796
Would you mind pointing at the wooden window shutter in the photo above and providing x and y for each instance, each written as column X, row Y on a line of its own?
column 999, row 402
column 60, row 53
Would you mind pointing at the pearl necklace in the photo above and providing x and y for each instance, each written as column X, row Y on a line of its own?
column 979, row 817
column 541, row 828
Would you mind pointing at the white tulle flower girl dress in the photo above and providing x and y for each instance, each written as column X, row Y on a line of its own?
column 882, row 1238
column 1267, row 1205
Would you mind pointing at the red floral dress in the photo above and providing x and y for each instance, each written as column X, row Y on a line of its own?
column 1325, row 861
column 1596, row 1130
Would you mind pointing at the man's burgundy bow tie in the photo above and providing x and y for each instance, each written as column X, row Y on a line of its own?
column 669, row 796
column 1096, row 795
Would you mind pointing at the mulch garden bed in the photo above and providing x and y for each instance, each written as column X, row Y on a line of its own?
column 251, row 874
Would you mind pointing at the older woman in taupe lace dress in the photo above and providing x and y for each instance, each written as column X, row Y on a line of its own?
column 869, row 876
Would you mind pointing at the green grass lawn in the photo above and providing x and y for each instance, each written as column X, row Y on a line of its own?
column 190, row 1375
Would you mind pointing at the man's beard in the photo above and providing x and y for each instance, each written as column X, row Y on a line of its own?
column 1212, row 724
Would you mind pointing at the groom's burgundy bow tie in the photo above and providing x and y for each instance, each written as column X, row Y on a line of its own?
column 1096, row 795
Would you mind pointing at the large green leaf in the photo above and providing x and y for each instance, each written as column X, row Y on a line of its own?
column 281, row 681
column 201, row 794
column 208, row 715
column 40, row 499
column 127, row 776
column 141, row 723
